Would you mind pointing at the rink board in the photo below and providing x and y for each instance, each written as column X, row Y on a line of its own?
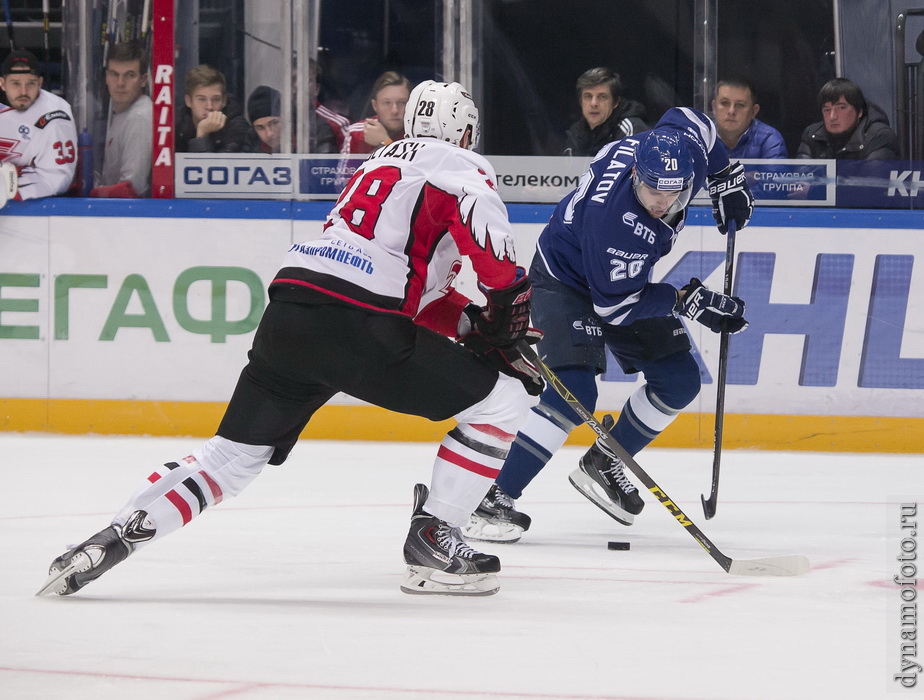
column 135, row 317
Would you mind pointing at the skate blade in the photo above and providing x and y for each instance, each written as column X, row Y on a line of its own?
column 588, row 487
column 421, row 580
column 57, row 579
column 487, row 530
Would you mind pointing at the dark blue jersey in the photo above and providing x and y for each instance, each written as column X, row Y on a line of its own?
column 602, row 241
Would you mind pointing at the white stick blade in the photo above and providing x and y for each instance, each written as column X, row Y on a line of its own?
column 793, row 565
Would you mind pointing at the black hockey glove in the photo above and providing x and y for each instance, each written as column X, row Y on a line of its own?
column 713, row 309
column 505, row 359
column 505, row 319
column 731, row 198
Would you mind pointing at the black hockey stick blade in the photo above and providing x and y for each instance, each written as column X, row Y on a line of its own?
column 792, row 565
column 709, row 504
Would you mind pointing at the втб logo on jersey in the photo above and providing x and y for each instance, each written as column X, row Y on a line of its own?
column 639, row 229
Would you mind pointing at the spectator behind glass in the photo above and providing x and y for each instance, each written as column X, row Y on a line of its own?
column 210, row 122
column 735, row 110
column 389, row 98
column 851, row 128
column 606, row 115
column 330, row 127
column 263, row 111
column 127, row 156
column 39, row 155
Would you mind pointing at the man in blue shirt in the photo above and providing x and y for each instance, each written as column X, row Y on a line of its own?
column 735, row 110
column 591, row 291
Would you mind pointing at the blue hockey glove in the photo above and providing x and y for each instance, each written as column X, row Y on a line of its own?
column 714, row 310
column 731, row 198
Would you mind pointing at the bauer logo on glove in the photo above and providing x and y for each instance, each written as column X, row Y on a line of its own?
column 731, row 198
column 714, row 310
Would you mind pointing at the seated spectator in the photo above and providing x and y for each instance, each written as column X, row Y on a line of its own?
column 735, row 111
column 264, row 110
column 606, row 115
column 210, row 122
column 264, row 107
column 851, row 128
column 39, row 153
column 325, row 118
column 129, row 136
column 390, row 94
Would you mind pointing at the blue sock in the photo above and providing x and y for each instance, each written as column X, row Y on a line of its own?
column 522, row 465
column 545, row 430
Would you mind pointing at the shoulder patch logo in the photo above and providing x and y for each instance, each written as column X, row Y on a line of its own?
column 51, row 116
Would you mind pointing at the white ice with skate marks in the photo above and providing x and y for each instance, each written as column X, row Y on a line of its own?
column 292, row 589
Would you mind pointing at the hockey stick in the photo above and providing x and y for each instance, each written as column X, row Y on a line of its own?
column 46, row 28
column 792, row 565
column 709, row 505
column 9, row 24
column 145, row 18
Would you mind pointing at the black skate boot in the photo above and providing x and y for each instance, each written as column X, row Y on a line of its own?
column 91, row 559
column 602, row 479
column 496, row 519
column 439, row 562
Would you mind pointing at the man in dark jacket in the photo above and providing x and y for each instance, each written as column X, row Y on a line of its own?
column 851, row 128
column 209, row 123
column 607, row 115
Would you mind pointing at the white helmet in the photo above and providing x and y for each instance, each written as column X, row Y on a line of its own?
column 443, row 111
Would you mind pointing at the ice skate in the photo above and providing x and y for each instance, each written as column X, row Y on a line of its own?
column 91, row 559
column 496, row 519
column 601, row 478
column 439, row 562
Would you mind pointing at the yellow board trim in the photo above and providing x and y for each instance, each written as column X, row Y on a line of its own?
column 347, row 422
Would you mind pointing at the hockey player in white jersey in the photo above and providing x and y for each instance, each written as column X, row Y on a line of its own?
column 593, row 292
column 366, row 310
column 38, row 138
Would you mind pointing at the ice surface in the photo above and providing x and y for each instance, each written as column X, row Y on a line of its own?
column 291, row 589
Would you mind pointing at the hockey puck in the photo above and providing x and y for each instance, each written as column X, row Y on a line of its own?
column 617, row 545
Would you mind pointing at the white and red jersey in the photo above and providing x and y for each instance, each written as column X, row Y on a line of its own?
column 384, row 243
column 42, row 143
column 338, row 123
column 354, row 139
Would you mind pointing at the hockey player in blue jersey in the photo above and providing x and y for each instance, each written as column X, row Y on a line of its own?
column 591, row 290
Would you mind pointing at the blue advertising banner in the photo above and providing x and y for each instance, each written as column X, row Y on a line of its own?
column 787, row 182
column 880, row 184
column 545, row 180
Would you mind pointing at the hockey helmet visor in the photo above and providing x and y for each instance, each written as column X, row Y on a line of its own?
column 663, row 164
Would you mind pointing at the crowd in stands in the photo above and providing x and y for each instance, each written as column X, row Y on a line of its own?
column 212, row 121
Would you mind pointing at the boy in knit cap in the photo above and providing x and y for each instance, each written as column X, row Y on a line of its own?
column 263, row 111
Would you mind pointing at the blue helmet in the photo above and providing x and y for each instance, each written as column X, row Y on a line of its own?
column 663, row 163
